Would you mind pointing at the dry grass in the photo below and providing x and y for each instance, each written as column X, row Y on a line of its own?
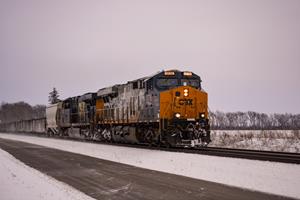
column 285, row 141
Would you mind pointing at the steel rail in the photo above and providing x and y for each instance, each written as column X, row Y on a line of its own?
column 273, row 156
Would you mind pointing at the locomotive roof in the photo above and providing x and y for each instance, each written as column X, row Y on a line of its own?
column 107, row 90
column 86, row 96
column 113, row 89
column 110, row 89
column 178, row 74
column 146, row 77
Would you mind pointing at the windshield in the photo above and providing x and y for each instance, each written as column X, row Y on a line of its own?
column 162, row 83
column 193, row 83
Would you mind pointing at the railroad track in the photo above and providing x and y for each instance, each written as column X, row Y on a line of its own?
column 273, row 156
column 283, row 157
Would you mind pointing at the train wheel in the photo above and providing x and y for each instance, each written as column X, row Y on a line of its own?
column 158, row 142
column 168, row 145
column 48, row 134
column 107, row 135
column 149, row 137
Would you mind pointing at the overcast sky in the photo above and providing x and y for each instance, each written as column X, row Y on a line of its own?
column 246, row 52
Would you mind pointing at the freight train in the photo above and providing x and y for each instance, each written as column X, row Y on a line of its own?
column 169, row 108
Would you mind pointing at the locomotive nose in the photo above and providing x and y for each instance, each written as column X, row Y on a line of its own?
column 184, row 103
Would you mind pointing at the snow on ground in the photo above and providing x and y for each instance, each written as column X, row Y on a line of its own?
column 270, row 177
column 18, row 181
column 268, row 140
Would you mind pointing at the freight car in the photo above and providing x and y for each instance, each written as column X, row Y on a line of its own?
column 168, row 108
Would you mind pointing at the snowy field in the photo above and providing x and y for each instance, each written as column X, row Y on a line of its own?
column 18, row 181
column 268, row 140
column 270, row 177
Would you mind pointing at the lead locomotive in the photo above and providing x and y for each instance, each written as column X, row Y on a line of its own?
column 168, row 108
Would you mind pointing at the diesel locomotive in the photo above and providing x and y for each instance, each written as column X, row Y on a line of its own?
column 168, row 108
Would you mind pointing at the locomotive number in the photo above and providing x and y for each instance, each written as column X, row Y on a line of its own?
column 187, row 102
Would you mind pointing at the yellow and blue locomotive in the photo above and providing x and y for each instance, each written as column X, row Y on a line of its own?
column 168, row 108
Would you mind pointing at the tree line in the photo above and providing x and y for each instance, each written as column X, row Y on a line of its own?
column 10, row 112
column 253, row 120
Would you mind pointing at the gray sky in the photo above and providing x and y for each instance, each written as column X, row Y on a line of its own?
column 246, row 52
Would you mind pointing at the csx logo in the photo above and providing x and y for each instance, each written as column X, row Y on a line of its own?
column 186, row 102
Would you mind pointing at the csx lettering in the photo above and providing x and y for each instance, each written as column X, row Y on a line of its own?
column 185, row 102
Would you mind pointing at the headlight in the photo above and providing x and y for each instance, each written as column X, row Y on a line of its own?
column 185, row 92
column 202, row 115
column 177, row 115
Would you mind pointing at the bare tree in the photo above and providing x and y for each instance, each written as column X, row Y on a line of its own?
column 253, row 120
column 10, row 112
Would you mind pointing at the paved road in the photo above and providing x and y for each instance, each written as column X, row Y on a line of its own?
column 103, row 179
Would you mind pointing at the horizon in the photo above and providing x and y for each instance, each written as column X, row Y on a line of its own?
column 246, row 52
